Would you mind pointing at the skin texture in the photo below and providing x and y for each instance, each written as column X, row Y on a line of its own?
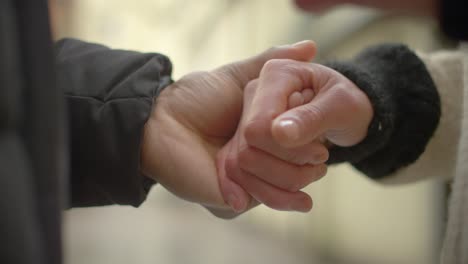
column 278, row 146
column 424, row 7
column 251, row 176
column 194, row 119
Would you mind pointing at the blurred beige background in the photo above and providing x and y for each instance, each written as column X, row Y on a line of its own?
column 354, row 220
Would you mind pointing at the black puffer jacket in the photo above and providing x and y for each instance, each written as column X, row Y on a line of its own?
column 89, row 138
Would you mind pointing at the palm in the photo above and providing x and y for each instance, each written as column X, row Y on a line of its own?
column 208, row 110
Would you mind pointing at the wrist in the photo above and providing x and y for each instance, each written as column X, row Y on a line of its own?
column 406, row 109
column 153, row 138
column 145, row 149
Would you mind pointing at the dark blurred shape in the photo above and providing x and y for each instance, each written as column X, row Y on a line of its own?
column 454, row 19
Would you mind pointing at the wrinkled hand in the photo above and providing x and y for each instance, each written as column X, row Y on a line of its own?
column 278, row 148
column 194, row 118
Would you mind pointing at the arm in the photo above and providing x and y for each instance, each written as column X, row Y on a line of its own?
column 109, row 94
column 380, row 112
column 195, row 122
column 114, row 128
column 402, row 88
column 439, row 159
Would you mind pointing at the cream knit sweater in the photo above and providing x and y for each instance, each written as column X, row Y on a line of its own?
column 446, row 155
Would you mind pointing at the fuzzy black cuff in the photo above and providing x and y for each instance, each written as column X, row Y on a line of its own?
column 406, row 109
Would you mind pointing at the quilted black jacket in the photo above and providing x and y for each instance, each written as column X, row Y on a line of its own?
column 59, row 151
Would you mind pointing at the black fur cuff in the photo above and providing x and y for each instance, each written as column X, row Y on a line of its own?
column 406, row 109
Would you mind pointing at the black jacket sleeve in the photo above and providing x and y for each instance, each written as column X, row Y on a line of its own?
column 109, row 95
column 406, row 109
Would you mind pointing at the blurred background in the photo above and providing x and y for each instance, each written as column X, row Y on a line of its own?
column 354, row 220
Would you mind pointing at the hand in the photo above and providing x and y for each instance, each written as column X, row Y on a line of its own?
column 279, row 146
column 267, row 179
column 194, row 118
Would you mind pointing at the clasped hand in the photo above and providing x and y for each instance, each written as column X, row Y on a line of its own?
column 254, row 131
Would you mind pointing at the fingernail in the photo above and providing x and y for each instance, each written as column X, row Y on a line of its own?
column 320, row 158
column 289, row 128
column 300, row 43
column 234, row 203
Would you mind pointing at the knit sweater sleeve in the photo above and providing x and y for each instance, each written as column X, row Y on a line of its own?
column 408, row 138
column 440, row 156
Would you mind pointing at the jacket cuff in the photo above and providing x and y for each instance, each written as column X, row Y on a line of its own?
column 110, row 95
column 406, row 109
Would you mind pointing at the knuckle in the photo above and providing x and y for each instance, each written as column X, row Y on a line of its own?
column 344, row 94
column 274, row 65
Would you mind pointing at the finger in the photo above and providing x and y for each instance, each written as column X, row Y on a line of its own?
column 308, row 95
column 279, row 79
column 273, row 197
column 233, row 194
column 302, row 124
column 299, row 98
column 279, row 173
column 246, row 70
column 258, row 134
column 233, row 178
column 295, row 99
column 314, row 152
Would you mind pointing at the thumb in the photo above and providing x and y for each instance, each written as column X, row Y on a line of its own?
column 303, row 124
column 246, row 70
